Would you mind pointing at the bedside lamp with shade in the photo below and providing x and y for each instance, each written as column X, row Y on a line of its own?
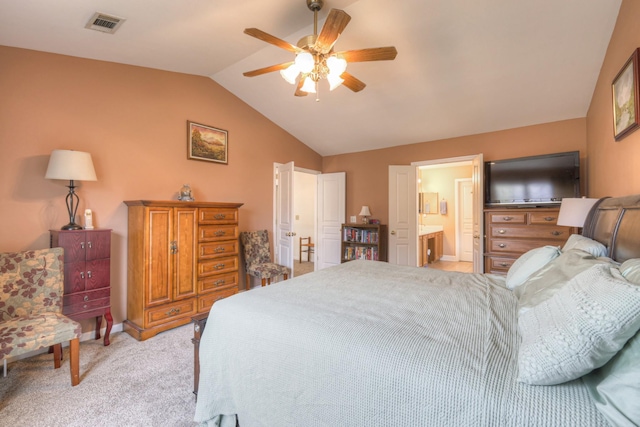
column 365, row 213
column 73, row 166
column 574, row 211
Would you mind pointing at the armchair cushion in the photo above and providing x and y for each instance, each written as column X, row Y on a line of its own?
column 267, row 270
column 29, row 333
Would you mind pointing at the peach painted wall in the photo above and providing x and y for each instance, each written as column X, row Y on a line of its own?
column 133, row 121
column 367, row 171
column 614, row 167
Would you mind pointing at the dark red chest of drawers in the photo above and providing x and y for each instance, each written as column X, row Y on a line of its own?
column 87, row 277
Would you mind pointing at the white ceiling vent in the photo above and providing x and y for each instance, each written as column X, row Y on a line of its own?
column 104, row 23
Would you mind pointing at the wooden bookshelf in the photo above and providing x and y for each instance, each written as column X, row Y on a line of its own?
column 364, row 241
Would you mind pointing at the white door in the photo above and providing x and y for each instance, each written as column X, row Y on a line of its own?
column 478, row 218
column 403, row 215
column 332, row 196
column 284, row 217
column 465, row 219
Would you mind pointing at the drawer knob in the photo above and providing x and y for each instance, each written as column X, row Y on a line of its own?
column 86, row 298
column 89, row 273
column 219, row 282
column 219, row 249
column 219, row 216
column 556, row 233
column 82, row 274
column 504, row 264
column 502, row 231
column 502, row 245
column 507, row 218
column 549, row 218
column 219, row 233
column 173, row 311
column 219, row 266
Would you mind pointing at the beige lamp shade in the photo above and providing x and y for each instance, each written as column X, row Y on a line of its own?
column 70, row 165
column 365, row 211
column 573, row 211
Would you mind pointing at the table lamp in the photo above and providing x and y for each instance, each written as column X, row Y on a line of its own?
column 365, row 213
column 73, row 166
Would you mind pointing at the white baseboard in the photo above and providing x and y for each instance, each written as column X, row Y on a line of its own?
column 449, row 258
column 86, row 336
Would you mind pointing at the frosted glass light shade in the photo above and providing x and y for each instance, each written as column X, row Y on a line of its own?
column 334, row 81
column 305, row 62
column 336, row 65
column 290, row 73
column 70, row 165
column 309, row 85
column 573, row 211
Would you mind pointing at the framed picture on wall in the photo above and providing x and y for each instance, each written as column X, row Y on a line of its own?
column 207, row 143
column 625, row 90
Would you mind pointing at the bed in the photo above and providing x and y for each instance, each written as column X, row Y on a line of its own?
column 367, row 343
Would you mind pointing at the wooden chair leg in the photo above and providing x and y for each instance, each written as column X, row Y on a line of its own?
column 247, row 281
column 286, row 276
column 57, row 352
column 74, row 361
column 264, row 281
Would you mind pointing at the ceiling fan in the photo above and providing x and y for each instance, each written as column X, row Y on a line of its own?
column 315, row 59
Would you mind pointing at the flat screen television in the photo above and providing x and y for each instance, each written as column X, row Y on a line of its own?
column 537, row 180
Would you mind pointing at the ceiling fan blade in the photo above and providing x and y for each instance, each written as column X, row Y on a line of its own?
column 351, row 82
column 266, row 70
column 299, row 91
column 372, row 54
column 266, row 37
column 331, row 30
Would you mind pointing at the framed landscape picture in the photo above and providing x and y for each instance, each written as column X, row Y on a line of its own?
column 207, row 143
column 625, row 98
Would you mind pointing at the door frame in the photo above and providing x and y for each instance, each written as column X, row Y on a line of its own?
column 478, row 211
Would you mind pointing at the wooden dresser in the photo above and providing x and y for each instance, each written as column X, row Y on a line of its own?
column 182, row 258
column 87, row 275
column 511, row 232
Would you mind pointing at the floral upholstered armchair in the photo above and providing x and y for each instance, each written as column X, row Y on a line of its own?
column 257, row 258
column 31, row 288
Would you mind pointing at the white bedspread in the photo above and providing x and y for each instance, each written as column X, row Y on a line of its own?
column 372, row 344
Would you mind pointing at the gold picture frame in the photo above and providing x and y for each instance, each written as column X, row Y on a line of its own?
column 625, row 92
column 207, row 143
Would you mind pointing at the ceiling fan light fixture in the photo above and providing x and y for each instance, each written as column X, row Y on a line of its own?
column 305, row 62
column 309, row 85
column 290, row 74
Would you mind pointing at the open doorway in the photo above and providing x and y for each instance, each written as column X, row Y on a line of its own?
column 304, row 210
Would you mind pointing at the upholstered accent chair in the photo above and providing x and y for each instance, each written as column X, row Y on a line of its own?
column 257, row 258
column 31, row 289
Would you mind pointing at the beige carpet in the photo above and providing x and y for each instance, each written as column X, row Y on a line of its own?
column 128, row 383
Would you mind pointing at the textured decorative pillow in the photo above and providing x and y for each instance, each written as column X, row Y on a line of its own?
column 579, row 328
column 545, row 282
column 529, row 263
column 578, row 241
column 615, row 388
column 630, row 270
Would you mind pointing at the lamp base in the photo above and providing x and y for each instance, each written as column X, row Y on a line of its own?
column 72, row 226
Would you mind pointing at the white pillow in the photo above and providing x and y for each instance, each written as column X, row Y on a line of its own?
column 578, row 241
column 529, row 263
column 579, row 328
column 630, row 270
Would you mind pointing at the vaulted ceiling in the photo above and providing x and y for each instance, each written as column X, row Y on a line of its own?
column 463, row 66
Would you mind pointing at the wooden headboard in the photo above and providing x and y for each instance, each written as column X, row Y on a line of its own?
column 615, row 222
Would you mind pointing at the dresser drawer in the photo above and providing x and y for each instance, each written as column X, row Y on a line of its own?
column 218, row 216
column 534, row 232
column 85, row 301
column 518, row 246
column 217, row 266
column 508, row 218
column 500, row 264
column 217, row 249
column 543, row 218
column 211, row 283
column 214, row 233
column 159, row 315
column 205, row 302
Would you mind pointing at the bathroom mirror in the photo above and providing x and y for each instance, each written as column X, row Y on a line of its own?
column 428, row 203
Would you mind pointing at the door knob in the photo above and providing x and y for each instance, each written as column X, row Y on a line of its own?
column 393, row 232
